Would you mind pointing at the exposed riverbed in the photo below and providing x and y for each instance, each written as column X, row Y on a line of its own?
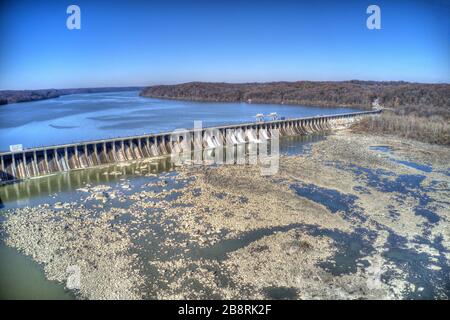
column 347, row 216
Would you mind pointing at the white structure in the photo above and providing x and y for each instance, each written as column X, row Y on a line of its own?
column 259, row 117
column 273, row 116
column 16, row 148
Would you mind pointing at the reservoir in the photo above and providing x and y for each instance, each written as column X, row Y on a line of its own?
column 84, row 117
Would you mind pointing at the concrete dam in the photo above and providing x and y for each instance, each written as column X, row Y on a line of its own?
column 41, row 161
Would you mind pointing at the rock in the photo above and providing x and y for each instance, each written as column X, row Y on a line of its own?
column 58, row 205
column 292, row 249
column 101, row 188
column 101, row 196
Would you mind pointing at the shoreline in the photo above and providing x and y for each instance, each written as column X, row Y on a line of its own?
column 286, row 103
column 19, row 96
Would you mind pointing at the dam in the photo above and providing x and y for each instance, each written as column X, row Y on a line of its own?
column 47, row 160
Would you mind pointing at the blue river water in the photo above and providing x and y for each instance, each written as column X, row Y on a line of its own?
column 83, row 117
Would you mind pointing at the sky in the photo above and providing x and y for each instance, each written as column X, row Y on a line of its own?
column 137, row 43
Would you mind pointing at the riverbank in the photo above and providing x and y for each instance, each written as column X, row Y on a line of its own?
column 353, row 216
column 16, row 96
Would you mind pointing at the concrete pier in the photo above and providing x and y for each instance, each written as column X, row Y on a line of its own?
column 42, row 161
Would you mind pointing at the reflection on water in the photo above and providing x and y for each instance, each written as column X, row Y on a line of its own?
column 25, row 192
column 299, row 145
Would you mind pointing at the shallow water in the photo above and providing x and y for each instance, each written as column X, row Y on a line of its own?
column 22, row 278
column 83, row 117
column 411, row 164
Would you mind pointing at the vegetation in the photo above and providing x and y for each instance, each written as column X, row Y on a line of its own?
column 434, row 129
column 14, row 96
column 358, row 94
column 413, row 110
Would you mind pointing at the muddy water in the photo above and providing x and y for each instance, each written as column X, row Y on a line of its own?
column 22, row 278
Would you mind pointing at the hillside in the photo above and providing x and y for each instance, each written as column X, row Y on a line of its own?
column 14, row 96
column 421, row 98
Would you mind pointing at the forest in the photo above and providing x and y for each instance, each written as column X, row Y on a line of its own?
column 418, row 98
column 411, row 110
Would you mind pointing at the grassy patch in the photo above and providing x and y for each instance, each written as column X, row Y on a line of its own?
column 433, row 129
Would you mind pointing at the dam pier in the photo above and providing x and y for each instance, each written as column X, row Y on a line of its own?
column 41, row 161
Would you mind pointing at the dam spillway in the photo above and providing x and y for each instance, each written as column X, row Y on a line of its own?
column 41, row 161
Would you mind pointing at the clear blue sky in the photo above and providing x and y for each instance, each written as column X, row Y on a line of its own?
column 152, row 42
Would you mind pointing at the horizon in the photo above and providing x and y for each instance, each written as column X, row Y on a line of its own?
column 222, row 82
column 173, row 42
